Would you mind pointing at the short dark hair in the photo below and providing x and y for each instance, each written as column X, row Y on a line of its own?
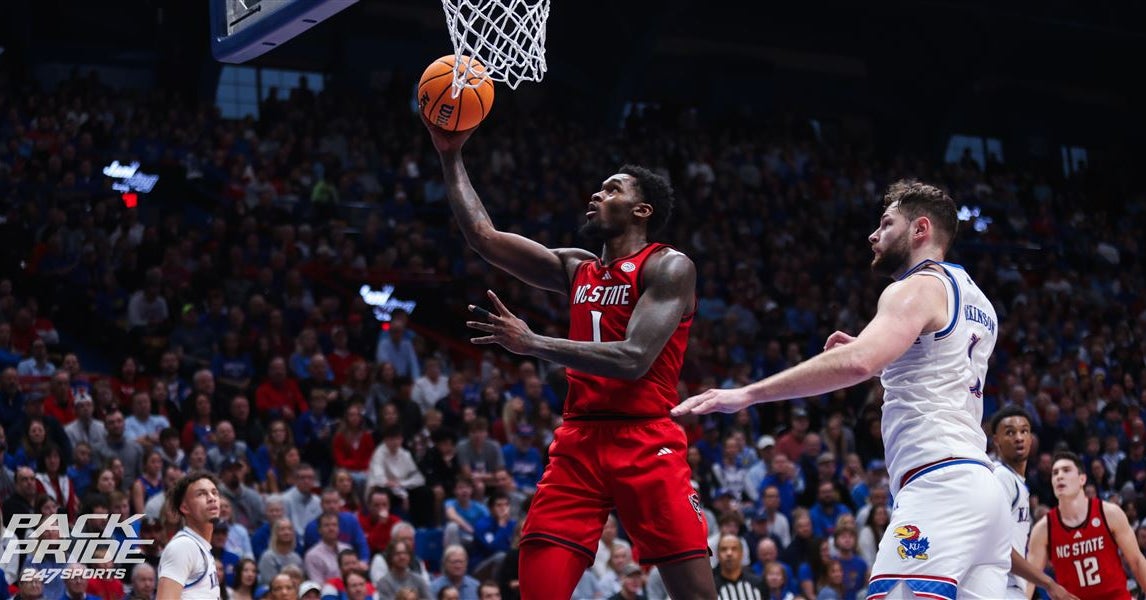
column 496, row 495
column 1008, row 411
column 347, row 552
column 179, row 490
column 42, row 460
column 442, row 435
column 376, row 489
column 656, row 191
column 1071, row 456
column 358, row 572
column 918, row 199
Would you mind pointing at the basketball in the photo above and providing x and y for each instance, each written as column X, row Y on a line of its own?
column 437, row 101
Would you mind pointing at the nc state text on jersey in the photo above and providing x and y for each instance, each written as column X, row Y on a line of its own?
column 1079, row 548
column 603, row 295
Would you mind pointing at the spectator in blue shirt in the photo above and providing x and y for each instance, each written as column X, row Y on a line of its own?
column 37, row 363
column 781, row 476
column 828, row 508
column 11, row 396
column 229, row 559
column 854, row 566
column 462, row 513
column 494, row 533
column 232, row 367
column 523, row 460
column 349, row 529
column 395, row 348
column 454, row 562
column 8, row 356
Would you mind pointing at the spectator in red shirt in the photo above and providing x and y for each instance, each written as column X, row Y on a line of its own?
column 279, row 395
column 791, row 443
column 23, row 331
column 353, row 443
column 128, row 383
column 60, row 403
column 341, row 357
column 377, row 520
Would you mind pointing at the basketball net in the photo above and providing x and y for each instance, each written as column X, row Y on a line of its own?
column 506, row 36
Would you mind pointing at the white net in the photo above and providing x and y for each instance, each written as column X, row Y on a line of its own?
column 506, row 36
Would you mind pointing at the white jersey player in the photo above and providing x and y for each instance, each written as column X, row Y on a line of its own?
column 186, row 567
column 929, row 341
column 1010, row 429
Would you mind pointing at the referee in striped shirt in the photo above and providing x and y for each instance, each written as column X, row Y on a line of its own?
column 732, row 581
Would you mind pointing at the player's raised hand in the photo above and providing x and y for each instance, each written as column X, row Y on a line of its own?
column 838, row 338
column 504, row 328
column 714, row 400
column 446, row 141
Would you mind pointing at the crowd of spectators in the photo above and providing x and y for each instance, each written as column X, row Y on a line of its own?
column 364, row 458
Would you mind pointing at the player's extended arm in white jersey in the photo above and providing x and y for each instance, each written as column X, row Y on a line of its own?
column 1127, row 544
column 907, row 309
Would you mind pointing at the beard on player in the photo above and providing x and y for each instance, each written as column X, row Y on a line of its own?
column 893, row 259
column 597, row 232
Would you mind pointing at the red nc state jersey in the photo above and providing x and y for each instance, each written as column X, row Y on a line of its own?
column 1085, row 558
column 601, row 301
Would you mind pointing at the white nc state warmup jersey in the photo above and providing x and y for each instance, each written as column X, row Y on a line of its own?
column 933, row 398
column 1019, row 501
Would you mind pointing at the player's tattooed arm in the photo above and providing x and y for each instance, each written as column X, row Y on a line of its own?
column 525, row 259
column 669, row 293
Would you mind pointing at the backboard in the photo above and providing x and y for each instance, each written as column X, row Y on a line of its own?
column 245, row 29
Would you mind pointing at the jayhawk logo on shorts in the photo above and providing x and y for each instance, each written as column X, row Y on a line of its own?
column 912, row 544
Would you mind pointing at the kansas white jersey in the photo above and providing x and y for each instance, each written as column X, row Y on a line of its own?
column 187, row 560
column 1019, row 503
column 933, row 398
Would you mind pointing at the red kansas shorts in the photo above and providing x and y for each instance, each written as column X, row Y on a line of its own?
column 640, row 468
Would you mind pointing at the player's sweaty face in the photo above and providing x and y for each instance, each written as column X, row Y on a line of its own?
column 606, row 213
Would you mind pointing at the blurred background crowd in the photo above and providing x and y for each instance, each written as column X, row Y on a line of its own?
column 286, row 311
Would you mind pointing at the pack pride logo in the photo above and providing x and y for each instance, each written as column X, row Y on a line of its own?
column 76, row 545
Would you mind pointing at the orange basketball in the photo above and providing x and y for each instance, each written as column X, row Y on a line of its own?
column 437, row 101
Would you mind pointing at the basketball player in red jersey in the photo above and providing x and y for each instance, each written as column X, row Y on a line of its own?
column 1082, row 537
column 631, row 309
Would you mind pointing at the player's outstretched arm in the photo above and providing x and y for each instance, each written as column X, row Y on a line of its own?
column 1127, row 543
column 1023, row 568
column 519, row 256
column 669, row 294
column 906, row 309
column 1036, row 552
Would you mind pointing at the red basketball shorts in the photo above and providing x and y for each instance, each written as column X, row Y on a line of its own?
column 640, row 468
